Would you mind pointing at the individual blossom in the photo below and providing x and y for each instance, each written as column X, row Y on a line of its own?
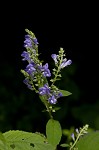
column 54, row 96
column 26, row 56
column 30, row 69
column 54, row 56
column 29, row 41
column 45, row 71
column 26, row 81
column 73, row 136
column 77, row 131
column 52, row 99
column 65, row 63
column 59, row 95
column 45, row 90
column 35, row 41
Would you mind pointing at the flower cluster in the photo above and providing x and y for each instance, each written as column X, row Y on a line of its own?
column 64, row 62
column 36, row 73
column 51, row 94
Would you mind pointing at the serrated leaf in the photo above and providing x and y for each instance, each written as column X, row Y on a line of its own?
column 53, row 132
column 65, row 93
column 21, row 140
column 89, row 142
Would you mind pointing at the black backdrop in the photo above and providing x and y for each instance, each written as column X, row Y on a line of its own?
column 75, row 28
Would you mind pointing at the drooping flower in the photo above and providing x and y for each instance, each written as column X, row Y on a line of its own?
column 45, row 90
column 52, row 99
column 65, row 63
column 54, row 56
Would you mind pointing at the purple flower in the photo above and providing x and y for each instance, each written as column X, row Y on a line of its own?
column 28, row 41
column 54, row 56
column 30, row 69
column 77, row 131
column 26, row 81
column 35, row 41
column 59, row 95
column 45, row 90
column 52, row 99
column 65, row 63
column 73, row 136
column 45, row 70
column 26, row 56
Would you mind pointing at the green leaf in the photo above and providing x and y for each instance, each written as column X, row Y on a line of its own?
column 21, row 140
column 2, row 137
column 89, row 142
column 2, row 142
column 65, row 145
column 65, row 93
column 53, row 132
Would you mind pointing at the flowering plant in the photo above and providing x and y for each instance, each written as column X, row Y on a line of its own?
column 36, row 73
column 36, row 79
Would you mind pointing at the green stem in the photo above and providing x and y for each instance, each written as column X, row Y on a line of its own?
column 43, row 99
column 58, row 70
column 56, row 76
column 81, row 133
column 75, row 142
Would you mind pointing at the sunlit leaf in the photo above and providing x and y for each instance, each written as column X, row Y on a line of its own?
column 20, row 140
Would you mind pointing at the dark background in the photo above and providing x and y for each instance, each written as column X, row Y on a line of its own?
column 75, row 28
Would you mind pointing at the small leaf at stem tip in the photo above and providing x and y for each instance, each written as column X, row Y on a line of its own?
column 65, row 145
column 65, row 93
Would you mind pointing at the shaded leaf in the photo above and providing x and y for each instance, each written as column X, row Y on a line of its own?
column 65, row 93
column 53, row 132
column 65, row 145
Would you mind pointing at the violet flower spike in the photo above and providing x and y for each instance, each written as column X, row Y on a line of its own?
column 54, row 56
